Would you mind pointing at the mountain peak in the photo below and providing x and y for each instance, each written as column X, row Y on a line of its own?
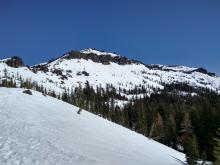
column 97, row 52
column 99, row 57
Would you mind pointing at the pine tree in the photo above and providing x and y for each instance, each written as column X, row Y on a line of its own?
column 217, row 148
column 192, row 150
column 65, row 96
column 204, row 156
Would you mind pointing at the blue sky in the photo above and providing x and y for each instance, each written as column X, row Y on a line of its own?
column 158, row 31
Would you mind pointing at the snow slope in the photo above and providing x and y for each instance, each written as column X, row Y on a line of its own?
column 69, row 73
column 39, row 130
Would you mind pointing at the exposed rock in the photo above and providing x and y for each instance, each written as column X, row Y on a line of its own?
column 204, row 71
column 82, row 73
column 27, row 92
column 68, row 71
column 64, row 77
column 104, row 59
column 58, row 72
column 15, row 62
column 42, row 68
column 85, row 73
column 79, row 74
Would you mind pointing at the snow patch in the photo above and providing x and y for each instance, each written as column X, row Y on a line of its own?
column 93, row 51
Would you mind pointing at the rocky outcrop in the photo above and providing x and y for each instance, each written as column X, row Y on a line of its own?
column 82, row 73
column 42, row 68
column 104, row 59
column 14, row 62
column 204, row 71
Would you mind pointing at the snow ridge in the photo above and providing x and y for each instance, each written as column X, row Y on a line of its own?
column 94, row 51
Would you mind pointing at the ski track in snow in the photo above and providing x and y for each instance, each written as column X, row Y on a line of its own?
column 38, row 130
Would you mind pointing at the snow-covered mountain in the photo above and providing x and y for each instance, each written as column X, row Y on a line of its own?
column 100, row 68
column 43, row 130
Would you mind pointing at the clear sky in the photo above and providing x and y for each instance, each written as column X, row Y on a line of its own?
column 182, row 32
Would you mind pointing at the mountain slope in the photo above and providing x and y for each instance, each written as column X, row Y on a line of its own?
column 44, row 130
column 75, row 68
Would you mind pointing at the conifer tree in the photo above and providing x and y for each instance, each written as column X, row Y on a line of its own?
column 192, row 150
column 217, row 148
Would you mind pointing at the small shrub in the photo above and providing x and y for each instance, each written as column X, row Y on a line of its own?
column 27, row 92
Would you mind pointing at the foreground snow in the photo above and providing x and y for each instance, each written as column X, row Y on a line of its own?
column 35, row 129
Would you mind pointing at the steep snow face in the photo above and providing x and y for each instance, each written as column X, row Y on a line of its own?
column 124, row 76
column 128, row 76
column 40, row 130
